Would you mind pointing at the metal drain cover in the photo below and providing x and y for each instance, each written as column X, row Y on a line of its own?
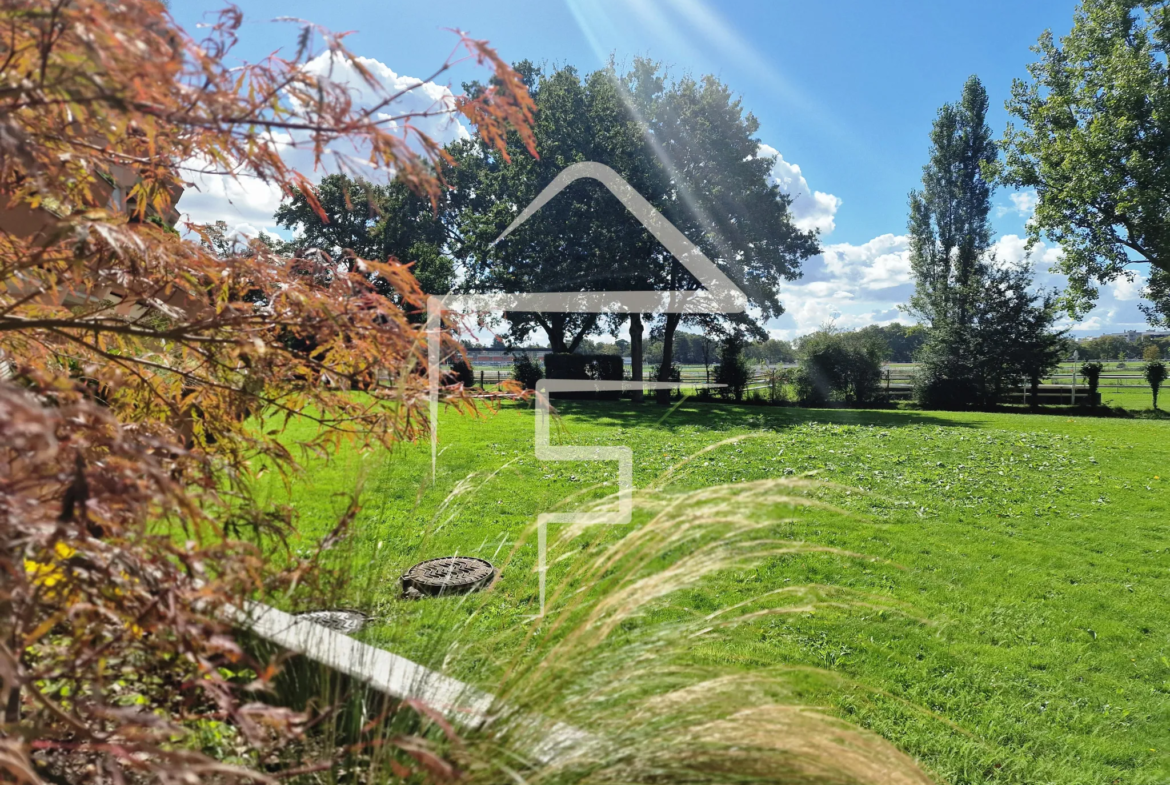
column 448, row 575
column 342, row 621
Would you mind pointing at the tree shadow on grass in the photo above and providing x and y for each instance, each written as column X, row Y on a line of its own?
column 692, row 413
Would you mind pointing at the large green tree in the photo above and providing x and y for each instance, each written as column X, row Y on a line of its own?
column 686, row 145
column 713, row 184
column 577, row 242
column 1095, row 145
column 949, row 229
column 987, row 331
column 372, row 221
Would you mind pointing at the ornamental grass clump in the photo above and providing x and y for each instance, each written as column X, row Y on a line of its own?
column 599, row 689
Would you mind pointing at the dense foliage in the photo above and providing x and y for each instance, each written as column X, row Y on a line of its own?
column 526, row 371
column 902, row 341
column 688, row 146
column 1092, row 373
column 378, row 221
column 988, row 331
column 691, row 349
column 600, row 367
column 732, row 372
column 147, row 378
column 839, row 367
column 1118, row 347
column 463, row 372
column 772, row 351
column 1009, row 341
column 1095, row 145
column 1155, row 375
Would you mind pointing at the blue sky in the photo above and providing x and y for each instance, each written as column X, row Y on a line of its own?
column 845, row 92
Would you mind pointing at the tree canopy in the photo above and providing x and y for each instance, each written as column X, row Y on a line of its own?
column 688, row 146
column 381, row 221
column 949, row 228
column 577, row 241
column 986, row 330
column 1094, row 143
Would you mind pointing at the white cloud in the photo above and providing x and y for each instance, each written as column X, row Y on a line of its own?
column 1023, row 204
column 425, row 97
column 857, row 285
column 1126, row 289
column 1090, row 325
column 850, row 286
column 878, row 264
column 1013, row 249
column 247, row 204
column 243, row 203
column 811, row 210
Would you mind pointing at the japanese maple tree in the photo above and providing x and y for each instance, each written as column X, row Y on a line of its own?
column 147, row 376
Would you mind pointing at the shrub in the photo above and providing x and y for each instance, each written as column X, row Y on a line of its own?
column 838, row 367
column 134, row 532
column 463, row 371
column 1155, row 373
column 1003, row 334
column 565, row 365
column 674, row 374
column 732, row 371
column 526, row 371
column 585, row 367
column 1092, row 374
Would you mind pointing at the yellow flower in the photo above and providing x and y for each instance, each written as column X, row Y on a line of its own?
column 48, row 574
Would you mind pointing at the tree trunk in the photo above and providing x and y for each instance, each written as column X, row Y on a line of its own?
column 11, row 691
column 672, row 320
column 554, row 328
column 1035, row 390
column 580, row 336
column 636, row 354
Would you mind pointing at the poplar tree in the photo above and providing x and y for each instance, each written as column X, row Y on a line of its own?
column 949, row 228
column 987, row 330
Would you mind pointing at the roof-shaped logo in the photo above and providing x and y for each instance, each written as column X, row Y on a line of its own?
column 717, row 295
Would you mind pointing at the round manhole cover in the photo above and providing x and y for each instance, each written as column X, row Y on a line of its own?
column 342, row 621
column 448, row 575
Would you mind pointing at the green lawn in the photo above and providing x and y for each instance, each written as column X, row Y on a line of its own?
column 1036, row 549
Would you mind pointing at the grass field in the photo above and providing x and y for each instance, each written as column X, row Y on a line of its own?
column 1034, row 552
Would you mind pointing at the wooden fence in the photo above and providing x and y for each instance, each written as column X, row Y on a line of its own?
column 897, row 383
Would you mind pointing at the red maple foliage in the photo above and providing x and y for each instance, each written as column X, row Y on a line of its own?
column 147, row 378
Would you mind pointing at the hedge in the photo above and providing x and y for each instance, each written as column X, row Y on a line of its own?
column 585, row 367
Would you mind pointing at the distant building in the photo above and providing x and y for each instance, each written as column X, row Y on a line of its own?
column 1133, row 336
column 497, row 356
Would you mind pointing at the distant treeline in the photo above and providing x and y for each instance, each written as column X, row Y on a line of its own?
column 897, row 343
column 1118, row 347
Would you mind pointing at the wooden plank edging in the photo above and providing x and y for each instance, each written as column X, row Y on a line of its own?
column 400, row 678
